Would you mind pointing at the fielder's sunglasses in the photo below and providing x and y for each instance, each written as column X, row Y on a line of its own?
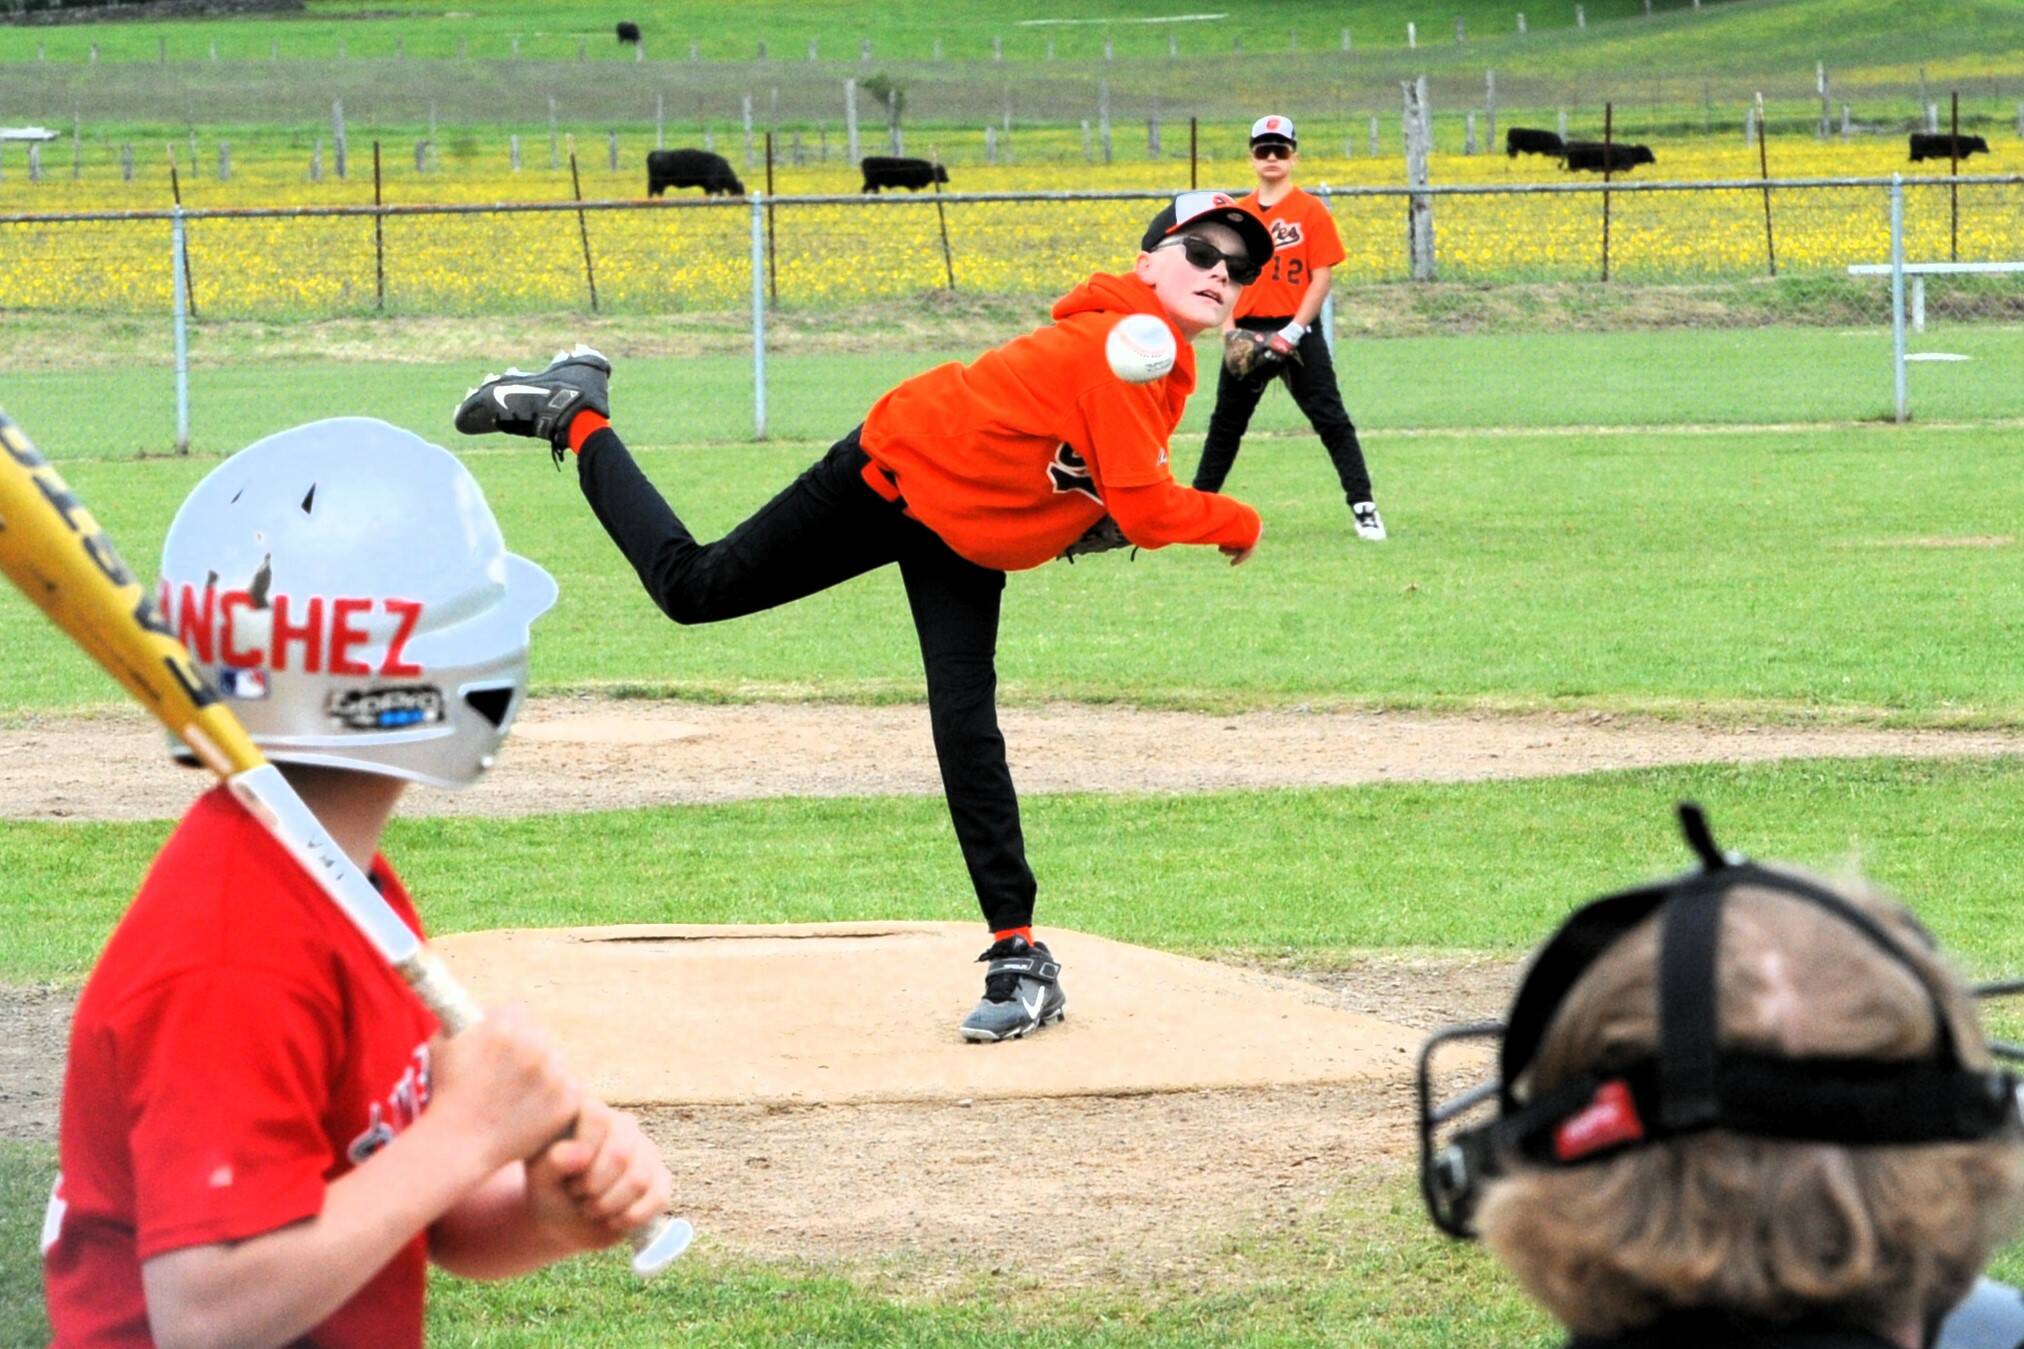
column 1203, row 256
column 1272, row 150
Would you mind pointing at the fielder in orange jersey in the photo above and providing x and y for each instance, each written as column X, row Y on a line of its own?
column 958, row 475
column 263, row 1139
column 1281, row 309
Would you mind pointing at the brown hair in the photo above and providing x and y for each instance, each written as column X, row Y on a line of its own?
column 1870, row 1237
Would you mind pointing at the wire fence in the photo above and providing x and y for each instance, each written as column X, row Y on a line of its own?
column 817, row 251
column 1700, row 260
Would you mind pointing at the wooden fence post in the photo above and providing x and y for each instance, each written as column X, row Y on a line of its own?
column 582, row 227
column 1764, row 168
column 379, row 241
column 176, row 193
column 1418, row 128
column 1608, row 150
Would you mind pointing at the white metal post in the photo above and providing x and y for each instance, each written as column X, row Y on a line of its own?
column 1897, row 290
column 850, row 119
column 177, row 245
column 758, row 316
column 1326, row 318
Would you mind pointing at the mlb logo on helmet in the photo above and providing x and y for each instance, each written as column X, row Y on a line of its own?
column 249, row 684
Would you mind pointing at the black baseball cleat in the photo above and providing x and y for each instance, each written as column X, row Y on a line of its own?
column 1022, row 992
column 540, row 405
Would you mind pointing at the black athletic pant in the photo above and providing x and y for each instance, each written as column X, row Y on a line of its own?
column 1311, row 380
column 824, row 528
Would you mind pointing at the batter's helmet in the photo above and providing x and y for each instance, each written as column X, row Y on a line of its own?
column 346, row 587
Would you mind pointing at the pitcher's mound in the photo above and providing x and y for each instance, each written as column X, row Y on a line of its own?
column 848, row 1013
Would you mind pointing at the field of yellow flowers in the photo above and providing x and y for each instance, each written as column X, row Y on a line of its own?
column 698, row 257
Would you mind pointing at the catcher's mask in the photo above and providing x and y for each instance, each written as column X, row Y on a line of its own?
column 1692, row 1082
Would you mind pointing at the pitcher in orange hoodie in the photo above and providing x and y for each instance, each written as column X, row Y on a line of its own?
column 959, row 475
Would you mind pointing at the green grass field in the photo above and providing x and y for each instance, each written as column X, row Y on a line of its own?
column 1859, row 572
column 1750, row 574
column 1874, row 40
column 1500, row 381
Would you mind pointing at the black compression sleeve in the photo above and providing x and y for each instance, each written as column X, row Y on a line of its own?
column 629, row 507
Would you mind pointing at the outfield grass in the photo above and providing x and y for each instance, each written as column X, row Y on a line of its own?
column 1505, row 380
column 1851, row 574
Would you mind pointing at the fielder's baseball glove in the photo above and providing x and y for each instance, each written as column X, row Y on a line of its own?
column 1100, row 537
column 1249, row 355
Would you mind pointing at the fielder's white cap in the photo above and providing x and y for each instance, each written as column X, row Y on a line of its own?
column 1273, row 127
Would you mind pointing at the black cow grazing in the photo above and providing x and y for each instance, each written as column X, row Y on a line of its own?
column 1928, row 145
column 893, row 171
column 691, row 168
column 1594, row 156
column 628, row 32
column 1525, row 141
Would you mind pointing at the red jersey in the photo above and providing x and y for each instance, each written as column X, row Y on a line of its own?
column 1010, row 458
column 1303, row 238
column 238, row 1047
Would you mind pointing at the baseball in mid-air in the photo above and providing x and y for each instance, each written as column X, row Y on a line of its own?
column 1140, row 348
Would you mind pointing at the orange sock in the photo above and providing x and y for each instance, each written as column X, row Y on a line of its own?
column 583, row 426
column 1011, row 932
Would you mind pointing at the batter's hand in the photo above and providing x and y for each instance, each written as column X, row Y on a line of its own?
column 503, row 1085
column 597, row 1185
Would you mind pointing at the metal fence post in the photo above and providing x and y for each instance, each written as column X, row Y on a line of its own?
column 1327, row 316
column 758, row 316
column 1897, row 291
column 182, row 303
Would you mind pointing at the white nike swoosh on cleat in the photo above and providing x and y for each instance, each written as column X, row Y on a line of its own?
column 499, row 392
column 1033, row 1007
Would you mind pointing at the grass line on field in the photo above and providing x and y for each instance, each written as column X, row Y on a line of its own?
column 1485, row 866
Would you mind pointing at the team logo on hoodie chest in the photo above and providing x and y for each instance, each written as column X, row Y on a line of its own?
column 1069, row 472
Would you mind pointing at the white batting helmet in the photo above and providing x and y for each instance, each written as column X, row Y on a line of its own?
column 346, row 588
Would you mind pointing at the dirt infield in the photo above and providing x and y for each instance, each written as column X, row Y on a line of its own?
column 596, row 754
column 685, row 1014
column 1138, row 1188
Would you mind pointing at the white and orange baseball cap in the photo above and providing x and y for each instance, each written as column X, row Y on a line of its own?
column 1219, row 207
column 1273, row 127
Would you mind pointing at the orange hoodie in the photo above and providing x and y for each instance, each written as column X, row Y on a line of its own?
column 1010, row 458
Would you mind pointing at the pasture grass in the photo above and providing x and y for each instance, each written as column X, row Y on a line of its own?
column 1834, row 574
column 1311, row 874
column 1762, row 46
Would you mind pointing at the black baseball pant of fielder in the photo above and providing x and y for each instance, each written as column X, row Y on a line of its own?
column 1311, row 381
column 824, row 528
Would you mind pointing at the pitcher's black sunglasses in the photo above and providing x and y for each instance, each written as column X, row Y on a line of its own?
column 1203, row 256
